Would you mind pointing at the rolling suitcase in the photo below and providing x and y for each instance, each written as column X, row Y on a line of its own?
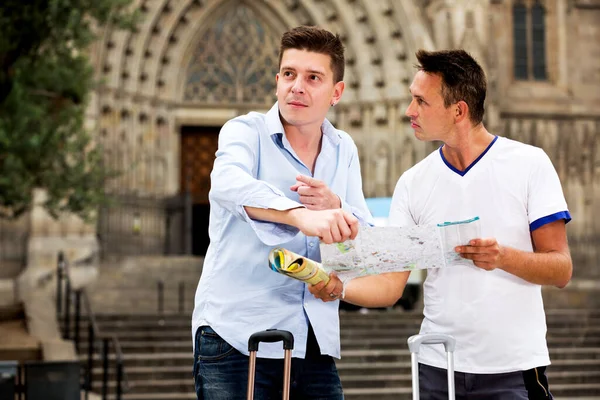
column 270, row 336
column 414, row 344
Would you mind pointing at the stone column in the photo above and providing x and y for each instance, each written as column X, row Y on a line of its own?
column 48, row 236
column 36, row 285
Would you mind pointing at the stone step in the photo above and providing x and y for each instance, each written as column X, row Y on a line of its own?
column 161, row 396
column 192, row 396
column 558, row 315
column 378, row 314
column 379, row 368
column 576, row 371
column 388, row 380
column 135, row 293
column 560, row 392
column 138, row 373
column 559, row 368
column 161, row 345
column 12, row 312
column 563, row 391
column 375, row 318
column 395, row 339
column 150, row 304
column 16, row 342
column 399, row 351
column 147, row 335
column 144, row 383
column 147, row 278
column 149, row 380
column 382, row 326
column 365, row 363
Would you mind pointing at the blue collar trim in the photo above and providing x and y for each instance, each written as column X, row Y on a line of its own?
column 462, row 173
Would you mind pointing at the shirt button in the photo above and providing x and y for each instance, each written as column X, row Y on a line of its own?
column 311, row 244
column 305, row 304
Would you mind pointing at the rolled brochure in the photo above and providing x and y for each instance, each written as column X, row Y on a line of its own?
column 296, row 266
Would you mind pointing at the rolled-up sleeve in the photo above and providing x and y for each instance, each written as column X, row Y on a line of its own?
column 234, row 184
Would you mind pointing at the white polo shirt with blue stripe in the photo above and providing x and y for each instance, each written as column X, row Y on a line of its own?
column 497, row 318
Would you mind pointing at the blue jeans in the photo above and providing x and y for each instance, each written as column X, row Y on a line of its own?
column 221, row 373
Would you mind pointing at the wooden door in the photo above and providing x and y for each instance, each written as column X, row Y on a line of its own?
column 198, row 147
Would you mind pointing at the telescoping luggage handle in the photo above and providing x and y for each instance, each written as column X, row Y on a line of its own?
column 415, row 342
column 271, row 336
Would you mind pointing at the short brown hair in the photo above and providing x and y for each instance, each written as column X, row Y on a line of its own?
column 311, row 38
column 462, row 78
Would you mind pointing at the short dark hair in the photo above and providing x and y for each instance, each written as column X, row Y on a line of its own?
column 311, row 38
column 462, row 78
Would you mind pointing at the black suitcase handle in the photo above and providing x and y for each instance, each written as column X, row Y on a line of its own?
column 271, row 336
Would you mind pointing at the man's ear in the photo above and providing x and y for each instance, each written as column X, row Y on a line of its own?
column 461, row 111
column 338, row 89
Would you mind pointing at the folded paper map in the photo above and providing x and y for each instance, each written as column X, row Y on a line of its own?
column 377, row 250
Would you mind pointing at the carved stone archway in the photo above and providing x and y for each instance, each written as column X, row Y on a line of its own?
column 200, row 63
column 144, row 100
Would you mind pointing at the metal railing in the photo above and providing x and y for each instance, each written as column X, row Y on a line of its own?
column 64, row 292
column 160, row 297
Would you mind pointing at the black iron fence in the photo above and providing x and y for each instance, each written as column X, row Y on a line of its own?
column 135, row 225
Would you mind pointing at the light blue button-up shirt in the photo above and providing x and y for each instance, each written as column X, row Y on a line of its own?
column 238, row 293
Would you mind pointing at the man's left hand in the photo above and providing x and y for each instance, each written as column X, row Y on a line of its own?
column 315, row 194
column 485, row 253
column 330, row 292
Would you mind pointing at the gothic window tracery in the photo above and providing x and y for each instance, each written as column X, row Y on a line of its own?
column 235, row 62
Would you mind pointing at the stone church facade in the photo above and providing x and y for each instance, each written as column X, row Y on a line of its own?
column 191, row 65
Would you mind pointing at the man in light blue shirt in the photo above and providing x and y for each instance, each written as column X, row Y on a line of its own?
column 286, row 178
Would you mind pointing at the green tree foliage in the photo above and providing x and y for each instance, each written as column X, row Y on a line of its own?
column 45, row 79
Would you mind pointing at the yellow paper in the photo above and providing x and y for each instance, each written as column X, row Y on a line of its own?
column 295, row 266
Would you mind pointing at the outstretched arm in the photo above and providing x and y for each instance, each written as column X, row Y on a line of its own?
column 329, row 225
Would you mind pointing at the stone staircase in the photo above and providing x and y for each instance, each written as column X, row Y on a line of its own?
column 375, row 360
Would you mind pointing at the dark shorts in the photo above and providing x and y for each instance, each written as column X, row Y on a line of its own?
column 221, row 373
column 523, row 385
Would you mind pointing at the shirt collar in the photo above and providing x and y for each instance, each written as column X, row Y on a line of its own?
column 275, row 126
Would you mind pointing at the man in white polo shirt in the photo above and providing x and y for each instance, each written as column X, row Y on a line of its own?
column 494, row 309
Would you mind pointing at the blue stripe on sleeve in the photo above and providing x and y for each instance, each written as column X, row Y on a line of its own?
column 549, row 218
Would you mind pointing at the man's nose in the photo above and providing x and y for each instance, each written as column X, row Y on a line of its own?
column 410, row 110
column 298, row 87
